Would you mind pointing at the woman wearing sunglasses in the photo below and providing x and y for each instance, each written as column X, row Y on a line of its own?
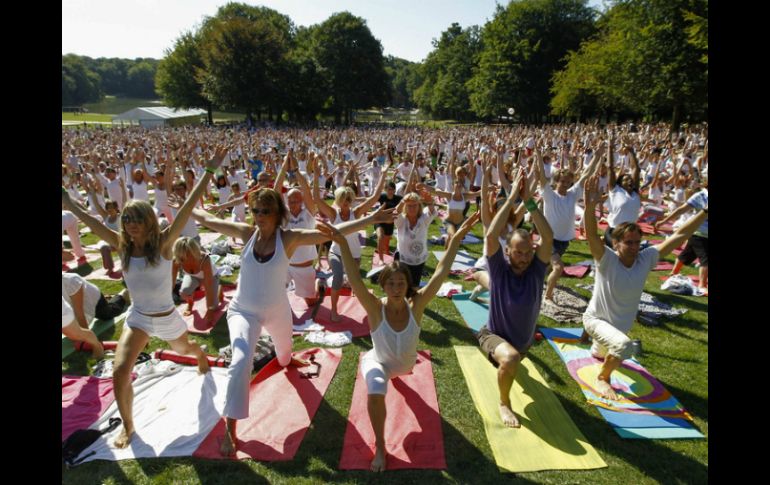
column 260, row 300
column 146, row 255
column 394, row 322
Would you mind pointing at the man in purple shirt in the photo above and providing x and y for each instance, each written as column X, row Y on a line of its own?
column 516, row 291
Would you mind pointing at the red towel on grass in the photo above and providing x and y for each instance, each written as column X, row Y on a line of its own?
column 353, row 315
column 577, row 271
column 83, row 400
column 413, row 435
column 663, row 266
column 194, row 321
column 281, row 407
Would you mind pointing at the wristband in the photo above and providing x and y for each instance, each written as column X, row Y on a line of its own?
column 210, row 170
column 531, row 205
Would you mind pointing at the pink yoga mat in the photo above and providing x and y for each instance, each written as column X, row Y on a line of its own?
column 663, row 266
column 577, row 271
column 648, row 229
column 83, row 400
column 376, row 260
column 413, row 435
column 195, row 322
column 353, row 315
column 281, row 407
column 101, row 273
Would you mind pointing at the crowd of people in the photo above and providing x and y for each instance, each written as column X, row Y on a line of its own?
column 144, row 193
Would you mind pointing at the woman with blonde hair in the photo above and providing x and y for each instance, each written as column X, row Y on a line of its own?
column 344, row 212
column 259, row 300
column 412, row 226
column 146, row 256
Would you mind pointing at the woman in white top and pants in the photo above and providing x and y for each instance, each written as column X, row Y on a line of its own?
column 260, row 302
column 394, row 322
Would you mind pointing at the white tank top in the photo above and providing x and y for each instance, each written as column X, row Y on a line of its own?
column 161, row 198
column 150, row 286
column 261, row 285
column 353, row 242
column 456, row 205
column 140, row 191
column 397, row 350
column 307, row 252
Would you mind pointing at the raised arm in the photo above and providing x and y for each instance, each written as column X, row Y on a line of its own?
column 504, row 183
column 592, row 167
column 683, row 233
column 635, row 171
column 592, row 197
column 307, row 196
column 611, row 162
column 322, row 206
column 368, row 203
column 486, row 210
column 492, row 235
column 108, row 235
column 425, row 295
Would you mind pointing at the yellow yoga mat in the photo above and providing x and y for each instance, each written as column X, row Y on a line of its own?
column 547, row 439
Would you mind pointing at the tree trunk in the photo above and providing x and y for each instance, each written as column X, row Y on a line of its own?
column 676, row 118
column 210, row 114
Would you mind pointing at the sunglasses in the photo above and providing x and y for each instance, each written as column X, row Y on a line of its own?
column 257, row 211
column 126, row 219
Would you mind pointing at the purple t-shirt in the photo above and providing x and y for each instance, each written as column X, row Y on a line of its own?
column 514, row 300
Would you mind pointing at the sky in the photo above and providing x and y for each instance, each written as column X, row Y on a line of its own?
column 146, row 28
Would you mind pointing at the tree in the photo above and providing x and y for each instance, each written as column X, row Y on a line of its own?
column 399, row 72
column 446, row 71
column 177, row 76
column 140, row 79
column 523, row 46
column 352, row 63
column 79, row 84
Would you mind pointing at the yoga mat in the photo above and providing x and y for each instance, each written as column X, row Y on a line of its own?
column 413, row 435
column 576, row 271
column 548, row 438
column 83, row 400
column 90, row 258
column 644, row 403
column 353, row 315
column 281, row 407
column 101, row 273
column 474, row 314
column 194, row 321
column 462, row 262
column 468, row 239
column 663, row 266
column 208, row 237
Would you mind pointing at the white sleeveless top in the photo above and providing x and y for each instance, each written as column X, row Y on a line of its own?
column 353, row 242
column 307, row 252
column 161, row 198
column 261, row 285
column 456, row 205
column 397, row 350
column 140, row 191
column 150, row 286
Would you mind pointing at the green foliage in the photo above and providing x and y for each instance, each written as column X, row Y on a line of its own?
column 400, row 73
column 178, row 73
column 79, row 84
column 352, row 64
column 648, row 59
column 445, row 72
column 523, row 46
column 141, row 79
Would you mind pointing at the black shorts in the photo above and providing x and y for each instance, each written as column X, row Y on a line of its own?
column 560, row 247
column 107, row 310
column 489, row 341
column 387, row 229
column 697, row 247
column 414, row 271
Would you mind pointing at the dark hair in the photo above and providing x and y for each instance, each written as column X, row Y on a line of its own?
column 397, row 267
column 624, row 228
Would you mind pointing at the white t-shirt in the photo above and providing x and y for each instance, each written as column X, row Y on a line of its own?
column 71, row 283
column 559, row 211
column 67, row 315
column 618, row 289
column 412, row 243
column 623, row 207
column 304, row 220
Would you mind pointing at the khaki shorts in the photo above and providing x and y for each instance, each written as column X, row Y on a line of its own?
column 489, row 341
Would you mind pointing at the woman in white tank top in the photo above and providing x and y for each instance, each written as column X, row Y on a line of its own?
column 259, row 302
column 394, row 322
column 456, row 201
column 146, row 254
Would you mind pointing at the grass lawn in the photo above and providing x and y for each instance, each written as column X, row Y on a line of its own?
column 676, row 352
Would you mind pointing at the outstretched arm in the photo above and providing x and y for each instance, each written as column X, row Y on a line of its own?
column 592, row 197
column 492, row 235
column 683, row 233
column 108, row 235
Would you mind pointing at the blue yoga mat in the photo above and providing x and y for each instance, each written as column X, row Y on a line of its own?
column 474, row 314
column 630, row 425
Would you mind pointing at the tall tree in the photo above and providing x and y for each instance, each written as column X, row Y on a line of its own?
column 140, row 82
column 79, row 83
column 178, row 73
column 352, row 64
column 523, row 46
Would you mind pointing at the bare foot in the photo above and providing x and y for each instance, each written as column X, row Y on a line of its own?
column 297, row 362
column 475, row 293
column 187, row 312
column 584, row 337
column 378, row 464
column 228, row 447
column 509, row 419
column 124, row 438
column 203, row 365
column 605, row 390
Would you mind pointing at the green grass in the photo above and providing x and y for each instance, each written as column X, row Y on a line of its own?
column 85, row 117
column 675, row 352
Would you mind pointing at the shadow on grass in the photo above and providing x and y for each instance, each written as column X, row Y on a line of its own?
column 449, row 328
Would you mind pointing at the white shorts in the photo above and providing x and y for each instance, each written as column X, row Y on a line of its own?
column 304, row 280
column 169, row 327
column 378, row 374
column 607, row 339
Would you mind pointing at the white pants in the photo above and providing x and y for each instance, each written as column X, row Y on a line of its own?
column 378, row 374
column 607, row 339
column 244, row 330
column 304, row 280
column 69, row 223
